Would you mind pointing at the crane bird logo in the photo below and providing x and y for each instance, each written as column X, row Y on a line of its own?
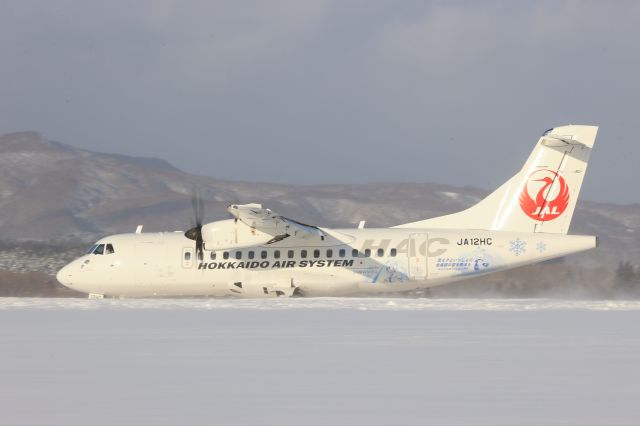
column 551, row 195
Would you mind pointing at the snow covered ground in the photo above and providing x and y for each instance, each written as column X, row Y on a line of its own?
column 319, row 362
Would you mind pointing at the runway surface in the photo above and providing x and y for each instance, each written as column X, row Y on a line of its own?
column 319, row 362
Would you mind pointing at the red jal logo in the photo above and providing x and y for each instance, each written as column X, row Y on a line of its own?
column 551, row 195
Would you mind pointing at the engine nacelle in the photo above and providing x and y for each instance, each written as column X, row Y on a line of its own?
column 230, row 234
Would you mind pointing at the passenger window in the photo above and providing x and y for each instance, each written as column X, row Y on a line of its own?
column 393, row 252
column 367, row 253
column 342, row 253
column 263, row 254
column 99, row 249
column 354, row 253
column 303, row 254
column 316, row 253
column 251, row 254
column 380, row 252
column 187, row 255
column 225, row 255
column 238, row 255
column 109, row 249
column 276, row 254
column 212, row 256
column 329, row 253
column 290, row 254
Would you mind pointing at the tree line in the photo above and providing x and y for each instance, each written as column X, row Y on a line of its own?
column 627, row 279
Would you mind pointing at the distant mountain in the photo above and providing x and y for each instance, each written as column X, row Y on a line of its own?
column 51, row 191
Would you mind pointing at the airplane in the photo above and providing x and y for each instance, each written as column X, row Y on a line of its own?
column 260, row 253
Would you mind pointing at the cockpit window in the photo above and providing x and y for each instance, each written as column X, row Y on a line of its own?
column 101, row 249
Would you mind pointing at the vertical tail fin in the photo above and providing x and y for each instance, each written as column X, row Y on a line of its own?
column 541, row 197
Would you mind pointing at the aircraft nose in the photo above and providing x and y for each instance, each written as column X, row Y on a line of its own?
column 64, row 276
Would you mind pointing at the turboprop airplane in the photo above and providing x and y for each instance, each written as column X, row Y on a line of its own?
column 259, row 253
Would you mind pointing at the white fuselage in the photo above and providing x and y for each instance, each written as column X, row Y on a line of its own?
column 343, row 262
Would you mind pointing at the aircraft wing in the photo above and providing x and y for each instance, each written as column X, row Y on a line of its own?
column 269, row 222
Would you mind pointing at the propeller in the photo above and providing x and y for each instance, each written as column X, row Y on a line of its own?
column 195, row 233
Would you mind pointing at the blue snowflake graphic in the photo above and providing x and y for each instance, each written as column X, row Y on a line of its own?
column 517, row 246
column 541, row 246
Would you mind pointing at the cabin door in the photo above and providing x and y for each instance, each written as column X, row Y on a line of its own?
column 418, row 256
column 145, row 258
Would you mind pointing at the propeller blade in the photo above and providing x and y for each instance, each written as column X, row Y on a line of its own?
column 198, row 208
column 195, row 233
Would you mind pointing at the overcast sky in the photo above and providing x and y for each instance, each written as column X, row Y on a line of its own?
column 329, row 91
